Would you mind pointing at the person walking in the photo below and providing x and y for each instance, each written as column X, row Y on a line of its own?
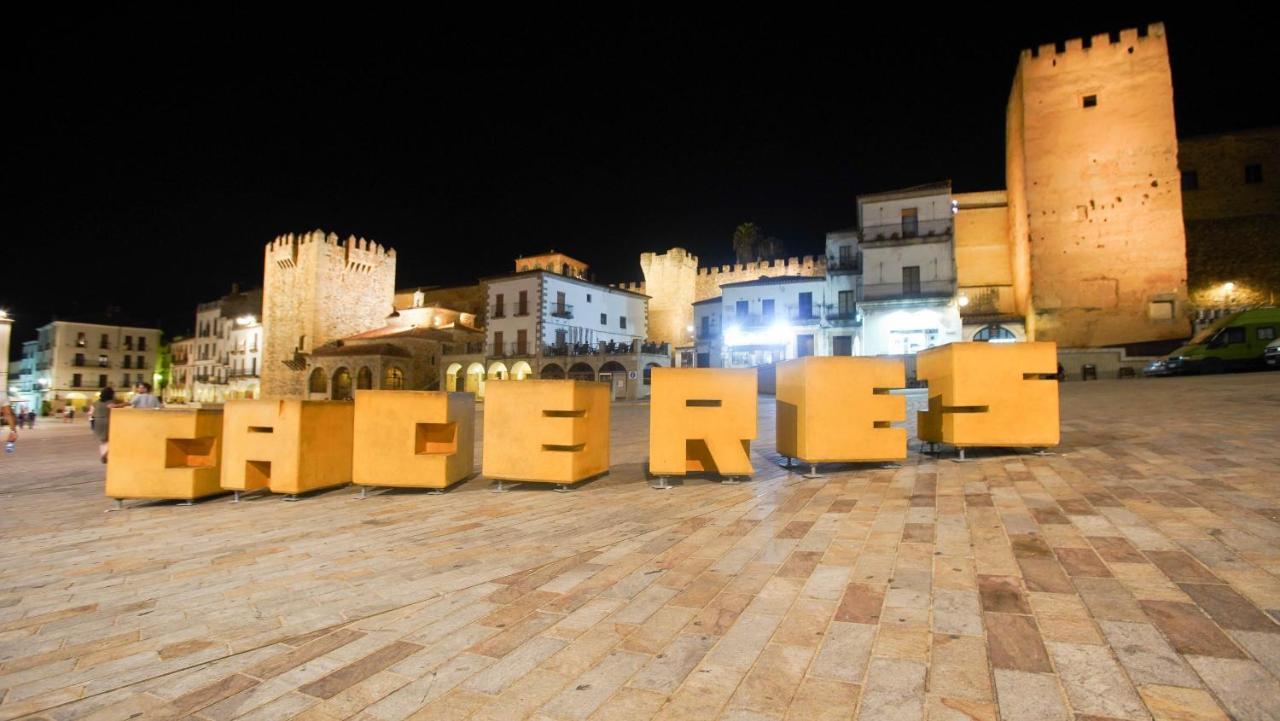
column 102, row 418
column 7, row 419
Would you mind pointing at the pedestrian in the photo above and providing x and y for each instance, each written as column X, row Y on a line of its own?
column 31, row 419
column 89, row 414
column 71, row 414
column 102, row 416
column 142, row 397
column 21, row 417
column 6, row 418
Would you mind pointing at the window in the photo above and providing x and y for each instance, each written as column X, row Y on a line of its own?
column 706, row 326
column 75, row 380
column 522, row 341
column 125, row 382
column 142, row 343
column 804, row 346
column 102, row 361
column 604, row 319
column 910, row 223
column 559, row 302
column 842, row 345
column 622, row 321
column 79, row 361
column 766, row 308
column 497, row 342
column 523, row 308
column 80, row 340
column 393, row 380
column 102, row 381
column 127, row 362
column 102, row 342
column 911, row 280
column 498, row 310
column 562, row 338
column 994, row 332
column 846, row 256
column 588, row 297
column 741, row 307
column 1267, row 333
column 806, row 307
column 1253, row 173
column 142, row 362
column 846, row 304
column 1190, row 181
column 128, row 342
column 1160, row 310
column 1089, row 101
column 1231, row 336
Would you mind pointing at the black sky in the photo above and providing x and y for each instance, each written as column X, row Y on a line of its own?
column 178, row 153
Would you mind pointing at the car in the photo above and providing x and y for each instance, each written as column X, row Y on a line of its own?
column 1236, row 342
column 1271, row 356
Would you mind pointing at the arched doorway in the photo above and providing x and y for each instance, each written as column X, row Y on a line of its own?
column 995, row 332
column 318, row 383
column 341, row 385
column 364, row 378
column 393, row 379
column 475, row 379
column 581, row 372
column 552, row 371
column 497, row 372
column 615, row 374
column 648, row 373
column 521, row 370
column 453, row 380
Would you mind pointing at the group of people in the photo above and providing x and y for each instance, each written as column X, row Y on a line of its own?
column 99, row 416
column 101, row 411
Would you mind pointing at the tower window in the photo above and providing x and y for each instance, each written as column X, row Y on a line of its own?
column 1090, row 101
column 1253, row 173
column 1190, row 181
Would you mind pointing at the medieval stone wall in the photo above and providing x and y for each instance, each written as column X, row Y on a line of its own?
column 1092, row 153
column 316, row 289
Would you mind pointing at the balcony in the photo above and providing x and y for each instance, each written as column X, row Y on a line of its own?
column 905, row 232
column 988, row 302
column 561, row 311
column 708, row 333
column 843, row 318
column 933, row 289
column 606, row 348
column 843, row 265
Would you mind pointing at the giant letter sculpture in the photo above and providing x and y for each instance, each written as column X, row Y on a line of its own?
column 164, row 453
column 990, row 394
column 545, row 431
column 286, row 446
column 838, row 409
column 701, row 419
column 413, row 439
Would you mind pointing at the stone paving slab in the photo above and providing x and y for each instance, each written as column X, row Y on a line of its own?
column 1134, row 575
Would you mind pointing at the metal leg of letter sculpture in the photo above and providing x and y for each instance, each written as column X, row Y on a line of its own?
column 291, row 498
column 119, row 506
column 663, row 485
column 499, row 488
column 813, row 471
column 363, row 494
column 562, row 488
column 729, row 481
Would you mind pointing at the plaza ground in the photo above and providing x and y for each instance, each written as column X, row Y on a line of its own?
column 1135, row 575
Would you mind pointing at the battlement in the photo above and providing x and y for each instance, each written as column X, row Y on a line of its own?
column 778, row 266
column 634, row 287
column 1100, row 49
column 357, row 254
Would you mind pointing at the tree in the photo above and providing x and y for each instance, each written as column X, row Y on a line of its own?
column 751, row 244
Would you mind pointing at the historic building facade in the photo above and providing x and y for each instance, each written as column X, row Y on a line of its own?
column 74, row 359
column 317, row 288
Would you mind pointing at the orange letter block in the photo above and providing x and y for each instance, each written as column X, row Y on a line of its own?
column 838, row 409
column 702, row 419
column 545, row 431
column 413, row 439
column 286, row 446
column 990, row 394
column 164, row 453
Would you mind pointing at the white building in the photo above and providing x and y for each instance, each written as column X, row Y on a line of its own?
column 6, row 331
column 907, row 248
column 765, row 321
column 844, row 283
column 547, row 321
column 181, row 388
column 74, row 359
column 223, row 359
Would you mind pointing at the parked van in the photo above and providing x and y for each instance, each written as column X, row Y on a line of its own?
column 1236, row 342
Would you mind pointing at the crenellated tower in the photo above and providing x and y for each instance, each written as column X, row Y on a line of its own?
column 317, row 288
column 1095, row 206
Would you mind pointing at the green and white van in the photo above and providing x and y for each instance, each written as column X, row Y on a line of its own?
column 1236, row 342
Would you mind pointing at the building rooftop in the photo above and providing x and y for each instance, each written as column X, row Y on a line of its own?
column 915, row 191
column 778, row 280
column 497, row 278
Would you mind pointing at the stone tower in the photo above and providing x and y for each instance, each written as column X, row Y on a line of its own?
column 670, row 280
column 316, row 289
column 1095, row 205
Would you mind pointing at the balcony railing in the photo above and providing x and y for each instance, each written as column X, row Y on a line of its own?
column 708, row 333
column 901, row 291
column 920, row 230
column 987, row 300
column 850, row 265
column 842, row 318
column 561, row 311
column 607, row 348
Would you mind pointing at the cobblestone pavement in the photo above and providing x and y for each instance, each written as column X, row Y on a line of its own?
column 1136, row 575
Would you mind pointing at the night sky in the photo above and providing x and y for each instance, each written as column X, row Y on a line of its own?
column 148, row 168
